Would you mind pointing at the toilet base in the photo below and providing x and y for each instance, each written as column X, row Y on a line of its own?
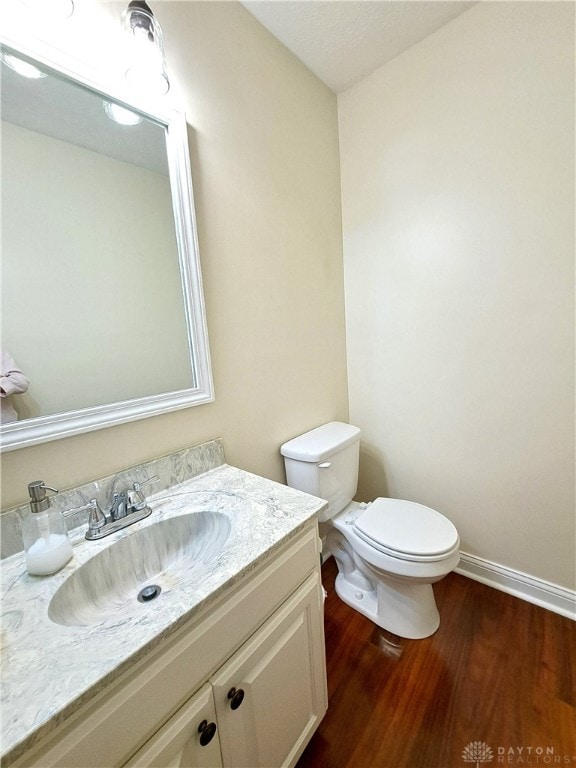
column 407, row 610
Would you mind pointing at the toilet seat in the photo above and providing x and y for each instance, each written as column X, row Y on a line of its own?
column 406, row 530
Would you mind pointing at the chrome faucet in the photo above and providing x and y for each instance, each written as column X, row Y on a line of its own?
column 118, row 510
column 127, row 507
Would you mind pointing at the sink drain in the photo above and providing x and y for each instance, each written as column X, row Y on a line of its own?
column 149, row 593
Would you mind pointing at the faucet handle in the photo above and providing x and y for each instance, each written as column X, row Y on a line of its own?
column 96, row 518
column 153, row 479
column 135, row 499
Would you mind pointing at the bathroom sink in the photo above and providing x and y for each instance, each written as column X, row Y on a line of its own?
column 133, row 573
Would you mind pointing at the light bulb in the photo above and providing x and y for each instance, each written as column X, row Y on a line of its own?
column 22, row 67
column 121, row 114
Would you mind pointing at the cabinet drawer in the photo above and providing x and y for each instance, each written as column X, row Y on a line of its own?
column 110, row 728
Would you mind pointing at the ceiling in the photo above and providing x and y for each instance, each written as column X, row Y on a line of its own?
column 343, row 41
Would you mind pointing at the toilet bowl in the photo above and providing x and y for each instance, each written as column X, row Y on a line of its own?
column 389, row 552
column 387, row 574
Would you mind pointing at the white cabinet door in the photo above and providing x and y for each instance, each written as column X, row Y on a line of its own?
column 188, row 740
column 271, row 695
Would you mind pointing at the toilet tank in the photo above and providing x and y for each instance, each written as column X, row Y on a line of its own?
column 324, row 462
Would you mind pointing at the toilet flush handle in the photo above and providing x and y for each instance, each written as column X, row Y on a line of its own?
column 325, row 465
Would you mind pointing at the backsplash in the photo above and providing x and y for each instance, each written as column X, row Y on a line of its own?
column 171, row 470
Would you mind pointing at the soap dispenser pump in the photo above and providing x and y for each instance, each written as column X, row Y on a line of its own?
column 46, row 544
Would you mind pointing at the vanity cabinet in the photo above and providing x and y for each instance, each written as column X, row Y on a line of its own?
column 259, row 709
column 250, row 669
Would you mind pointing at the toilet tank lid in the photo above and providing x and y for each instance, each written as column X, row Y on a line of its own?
column 322, row 442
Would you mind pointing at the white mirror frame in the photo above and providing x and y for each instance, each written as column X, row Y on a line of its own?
column 53, row 427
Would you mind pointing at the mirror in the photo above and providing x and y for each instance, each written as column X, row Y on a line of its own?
column 102, row 304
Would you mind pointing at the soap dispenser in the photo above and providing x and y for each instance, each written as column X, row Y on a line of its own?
column 46, row 544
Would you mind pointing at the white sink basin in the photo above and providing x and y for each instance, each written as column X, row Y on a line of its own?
column 110, row 585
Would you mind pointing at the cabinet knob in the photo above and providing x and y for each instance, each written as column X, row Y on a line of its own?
column 206, row 731
column 236, row 697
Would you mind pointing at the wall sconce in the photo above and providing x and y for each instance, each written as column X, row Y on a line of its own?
column 147, row 68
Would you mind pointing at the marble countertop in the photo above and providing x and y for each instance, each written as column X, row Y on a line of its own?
column 48, row 670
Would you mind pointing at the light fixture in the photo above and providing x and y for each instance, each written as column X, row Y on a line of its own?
column 61, row 9
column 121, row 114
column 21, row 66
column 147, row 65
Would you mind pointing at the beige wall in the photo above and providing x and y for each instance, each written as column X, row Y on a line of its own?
column 458, row 215
column 264, row 151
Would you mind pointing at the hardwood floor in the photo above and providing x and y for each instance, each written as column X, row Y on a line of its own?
column 499, row 672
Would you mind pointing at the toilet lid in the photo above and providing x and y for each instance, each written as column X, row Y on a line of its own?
column 406, row 529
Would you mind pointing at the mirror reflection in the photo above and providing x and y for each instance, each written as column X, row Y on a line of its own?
column 94, row 297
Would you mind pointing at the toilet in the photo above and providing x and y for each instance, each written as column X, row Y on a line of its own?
column 389, row 552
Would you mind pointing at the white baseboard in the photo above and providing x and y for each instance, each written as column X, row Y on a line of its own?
column 529, row 588
column 543, row 593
